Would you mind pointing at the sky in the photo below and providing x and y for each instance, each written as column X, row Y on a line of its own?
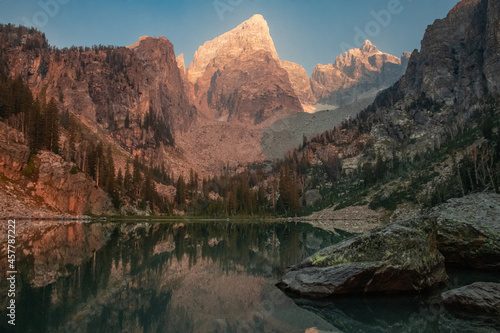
column 305, row 32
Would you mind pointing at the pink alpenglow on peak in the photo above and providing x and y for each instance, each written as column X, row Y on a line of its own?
column 356, row 74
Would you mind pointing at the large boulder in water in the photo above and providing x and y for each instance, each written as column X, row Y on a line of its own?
column 478, row 300
column 401, row 257
column 469, row 230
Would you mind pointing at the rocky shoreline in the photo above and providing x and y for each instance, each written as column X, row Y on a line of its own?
column 409, row 256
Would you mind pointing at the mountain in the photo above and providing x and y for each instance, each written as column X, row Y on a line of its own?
column 238, row 76
column 188, row 87
column 356, row 74
column 433, row 135
column 105, row 85
column 300, row 82
column 458, row 62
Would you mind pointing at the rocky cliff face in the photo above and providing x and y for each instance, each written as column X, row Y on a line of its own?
column 49, row 186
column 452, row 77
column 458, row 61
column 103, row 85
column 68, row 192
column 188, row 86
column 300, row 82
column 238, row 76
column 356, row 74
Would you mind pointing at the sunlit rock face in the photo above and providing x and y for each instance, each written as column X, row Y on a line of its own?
column 238, row 76
column 68, row 192
column 101, row 86
column 300, row 82
column 356, row 74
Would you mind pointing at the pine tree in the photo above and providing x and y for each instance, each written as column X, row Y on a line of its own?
column 136, row 178
column 262, row 201
column 51, row 131
column 110, row 172
column 34, row 129
column 127, row 119
column 289, row 191
column 127, row 180
column 148, row 189
column 119, row 181
column 180, row 195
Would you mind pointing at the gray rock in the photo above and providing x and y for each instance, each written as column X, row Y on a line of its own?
column 469, row 230
column 311, row 197
column 402, row 257
column 480, row 299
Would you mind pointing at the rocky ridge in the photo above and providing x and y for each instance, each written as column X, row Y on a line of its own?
column 458, row 60
column 356, row 74
column 103, row 84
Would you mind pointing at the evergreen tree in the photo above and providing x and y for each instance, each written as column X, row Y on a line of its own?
column 127, row 180
column 127, row 119
column 136, row 178
column 180, row 195
column 51, row 131
column 119, row 181
column 35, row 130
column 289, row 191
column 380, row 168
column 110, row 172
column 148, row 189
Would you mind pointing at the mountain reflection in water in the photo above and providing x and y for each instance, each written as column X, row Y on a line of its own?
column 162, row 277
column 211, row 276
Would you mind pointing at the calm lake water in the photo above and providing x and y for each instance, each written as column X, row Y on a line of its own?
column 213, row 276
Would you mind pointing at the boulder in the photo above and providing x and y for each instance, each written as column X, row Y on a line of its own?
column 480, row 299
column 401, row 257
column 311, row 197
column 469, row 230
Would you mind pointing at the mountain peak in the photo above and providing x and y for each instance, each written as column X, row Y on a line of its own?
column 363, row 70
column 250, row 36
column 257, row 18
column 368, row 47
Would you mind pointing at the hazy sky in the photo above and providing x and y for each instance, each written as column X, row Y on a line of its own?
column 305, row 32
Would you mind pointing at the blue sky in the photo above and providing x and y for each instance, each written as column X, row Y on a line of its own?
column 305, row 32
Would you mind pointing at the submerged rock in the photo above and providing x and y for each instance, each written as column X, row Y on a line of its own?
column 480, row 299
column 401, row 257
column 469, row 230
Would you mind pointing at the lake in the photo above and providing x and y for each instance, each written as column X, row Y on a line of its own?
column 199, row 276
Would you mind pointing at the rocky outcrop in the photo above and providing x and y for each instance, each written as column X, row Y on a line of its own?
column 469, row 230
column 458, row 61
column 238, row 76
column 104, row 85
column 13, row 152
column 356, row 74
column 311, row 198
column 300, row 82
column 69, row 192
column 478, row 300
column 402, row 257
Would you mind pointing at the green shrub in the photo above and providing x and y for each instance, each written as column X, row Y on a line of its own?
column 30, row 168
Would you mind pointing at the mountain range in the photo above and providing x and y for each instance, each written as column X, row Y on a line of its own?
column 238, row 103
